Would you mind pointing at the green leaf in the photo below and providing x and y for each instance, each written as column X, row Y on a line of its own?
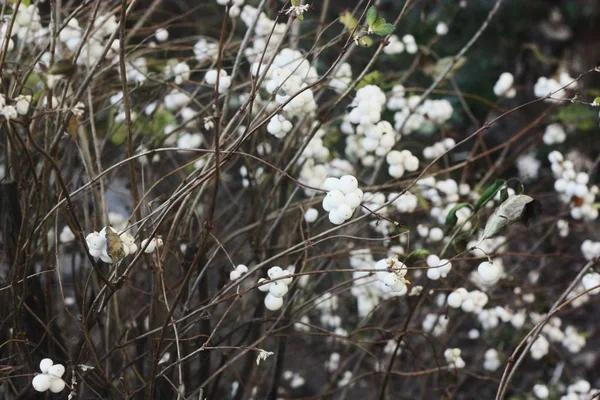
column 580, row 116
column 489, row 193
column 372, row 78
column 63, row 67
column 416, row 255
column 451, row 218
column 384, row 29
column 300, row 17
column 294, row 3
column 371, row 16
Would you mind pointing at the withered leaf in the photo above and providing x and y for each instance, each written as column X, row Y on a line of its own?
column 518, row 208
column 114, row 245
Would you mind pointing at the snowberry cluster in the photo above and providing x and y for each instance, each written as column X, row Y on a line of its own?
column 342, row 77
column 580, row 390
column 453, row 358
column 590, row 249
column 400, row 161
column 315, row 149
column 426, row 117
column 343, row 197
column 554, row 134
column 278, row 126
column 239, row 270
column 267, row 33
column 178, row 70
column 437, row 268
column 276, row 286
column 573, row 187
column 97, row 244
column 504, row 86
column 528, row 166
column 50, row 378
column 224, row 79
column 397, row 46
column 288, row 76
column 205, row 50
column 546, row 86
column 470, row 302
column 391, row 273
column 438, row 149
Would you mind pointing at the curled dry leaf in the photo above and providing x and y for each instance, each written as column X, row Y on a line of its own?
column 114, row 245
column 519, row 208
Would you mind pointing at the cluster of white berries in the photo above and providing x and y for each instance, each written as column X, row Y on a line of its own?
column 580, row 390
column 554, row 134
column 237, row 273
column 437, row 268
column 391, row 273
column 453, row 358
column 315, row 148
column 277, row 287
column 470, row 302
column 267, row 34
column 367, row 107
column 438, row 149
column 528, row 166
column 504, row 86
column 27, row 26
column 573, row 187
column 223, row 76
column 425, row 117
column 178, row 70
column 278, row 126
column 436, row 324
column 590, row 249
column 573, row 340
column 342, row 77
column 563, row 227
column 206, row 50
column 98, row 244
column 400, row 161
column 397, row 46
column 50, row 378
column 545, row 86
column 343, row 197
column 175, row 100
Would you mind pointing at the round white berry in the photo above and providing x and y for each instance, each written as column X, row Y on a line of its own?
column 42, row 382
column 336, row 217
column 488, row 271
column 311, row 215
column 234, row 275
column 348, row 184
column 345, row 211
column 331, row 184
column 161, row 34
column 241, row 268
column 411, row 163
column 455, row 300
column 45, row 365
column 273, row 303
column 57, row 370
column 335, row 198
column 264, row 287
column 275, row 272
column 57, row 385
column 278, row 289
column 396, row 171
